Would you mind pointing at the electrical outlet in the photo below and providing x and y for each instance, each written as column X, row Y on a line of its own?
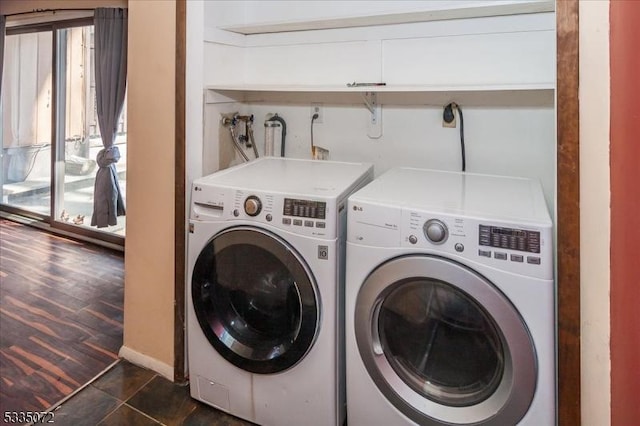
column 316, row 108
column 452, row 124
column 449, row 116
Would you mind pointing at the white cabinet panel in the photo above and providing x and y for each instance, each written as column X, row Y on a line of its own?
column 223, row 64
column 481, row 59
column 324, row 63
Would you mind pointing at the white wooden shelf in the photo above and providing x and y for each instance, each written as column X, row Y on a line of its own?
column 522, row 95
column 462, row 12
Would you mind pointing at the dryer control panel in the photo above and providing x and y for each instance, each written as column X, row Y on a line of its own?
column 509, row 238
column 516, row 247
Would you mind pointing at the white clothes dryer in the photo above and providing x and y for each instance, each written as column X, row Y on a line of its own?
column 450, row 312
column 265, row 290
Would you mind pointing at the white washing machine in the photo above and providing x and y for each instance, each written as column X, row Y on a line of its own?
column 265, row 290
column 450, row 301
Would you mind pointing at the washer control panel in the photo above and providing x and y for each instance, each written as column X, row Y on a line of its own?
column 296, row 207
column 304, row 216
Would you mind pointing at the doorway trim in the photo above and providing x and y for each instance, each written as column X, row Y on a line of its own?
column 179, row 341
column 568, row 210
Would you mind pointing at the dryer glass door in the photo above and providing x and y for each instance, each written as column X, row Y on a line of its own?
column 443, row 344
column 255, row 300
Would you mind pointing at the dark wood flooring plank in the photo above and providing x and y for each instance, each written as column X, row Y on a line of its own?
column 61, row 315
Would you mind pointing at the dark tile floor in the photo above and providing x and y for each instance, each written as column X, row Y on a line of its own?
column 128, row 395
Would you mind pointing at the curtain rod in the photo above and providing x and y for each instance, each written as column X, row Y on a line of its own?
column 49, row 10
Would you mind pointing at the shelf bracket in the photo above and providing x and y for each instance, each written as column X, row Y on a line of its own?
column 369, row 99
column 374, row 125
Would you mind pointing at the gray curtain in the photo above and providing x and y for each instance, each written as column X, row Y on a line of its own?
column 111, row 75
column 3, row 22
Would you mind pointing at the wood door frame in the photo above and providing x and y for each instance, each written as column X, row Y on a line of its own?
column 179, row 332
column 568, row 212
column 568, row 207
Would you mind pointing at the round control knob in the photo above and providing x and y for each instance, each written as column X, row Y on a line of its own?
column 435, row 230
column 252, row 205
column 413, row 239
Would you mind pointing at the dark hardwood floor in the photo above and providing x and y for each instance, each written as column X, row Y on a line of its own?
column 61, row 312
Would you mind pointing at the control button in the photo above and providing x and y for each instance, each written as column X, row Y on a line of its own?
column 252, row 205
column 286, row 221
column 534, row 260
column 236, row 213
column 297, row 222
column 269, row 218
column 413, row 239
column 321, row 225
column 459, row 247
column 485, row 253
column 516, row 258
column 308, row 223
column 435, row 230
column 500, row 255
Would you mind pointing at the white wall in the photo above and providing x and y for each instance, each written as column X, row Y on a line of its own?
column 508, row 141
column 193, row 89
column 595, row 213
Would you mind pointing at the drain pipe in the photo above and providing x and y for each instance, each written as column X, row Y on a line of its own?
column 280, row 120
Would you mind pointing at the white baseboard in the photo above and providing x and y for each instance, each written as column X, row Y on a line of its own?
column 146, row 361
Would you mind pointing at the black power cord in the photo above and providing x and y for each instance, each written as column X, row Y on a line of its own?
column 313, row 118
column 448, row 116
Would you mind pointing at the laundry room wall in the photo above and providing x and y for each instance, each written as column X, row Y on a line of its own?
column 149, row 300
column 425, row 65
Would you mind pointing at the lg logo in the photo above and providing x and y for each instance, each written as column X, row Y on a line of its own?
column 357, row 208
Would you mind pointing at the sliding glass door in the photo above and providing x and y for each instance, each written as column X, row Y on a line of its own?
column 50, row 132
column 26, row 121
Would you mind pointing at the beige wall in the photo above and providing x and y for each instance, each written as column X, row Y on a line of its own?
column 149, row 250
column 594, row 212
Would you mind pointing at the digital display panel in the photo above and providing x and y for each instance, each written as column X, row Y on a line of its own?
column 509, row 238
column 304, row 208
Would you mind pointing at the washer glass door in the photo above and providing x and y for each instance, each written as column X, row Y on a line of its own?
column 443, row 344
column 255, row 300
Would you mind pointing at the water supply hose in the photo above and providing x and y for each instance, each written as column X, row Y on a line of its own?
column 250, row 132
